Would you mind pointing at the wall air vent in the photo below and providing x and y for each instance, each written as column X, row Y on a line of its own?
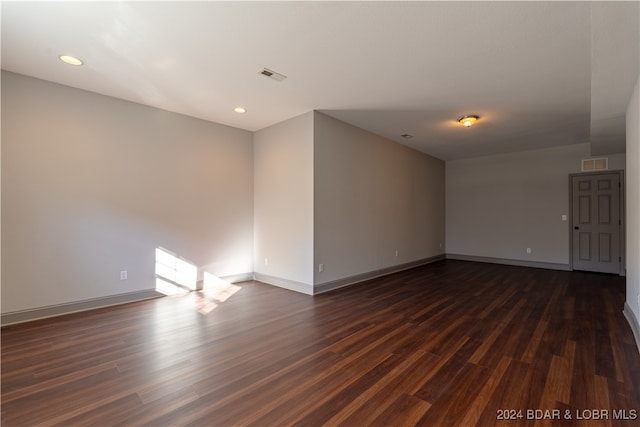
column 273, row 75
column 601, row 164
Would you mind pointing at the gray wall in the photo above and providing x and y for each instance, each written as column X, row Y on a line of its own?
column 633, row 208
column 372, row 197
column 497, row 206
column 283, row 211
column 91, row 185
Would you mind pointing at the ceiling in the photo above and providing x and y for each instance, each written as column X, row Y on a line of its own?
column 539, row 74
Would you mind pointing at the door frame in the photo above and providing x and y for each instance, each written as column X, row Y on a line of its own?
column 623, row 264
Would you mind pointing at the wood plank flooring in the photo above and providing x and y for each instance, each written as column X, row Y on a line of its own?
column 449, row 344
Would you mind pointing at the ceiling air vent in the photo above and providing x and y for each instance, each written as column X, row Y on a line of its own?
column 600, row 164
column 273, row 75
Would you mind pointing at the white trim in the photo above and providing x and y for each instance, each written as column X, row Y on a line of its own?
column 291, row 285
column 633, row 322
column 352, row 280
column 237, row 278
column 28, row 315
column 506, row 261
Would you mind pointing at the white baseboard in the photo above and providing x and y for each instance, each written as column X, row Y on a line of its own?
column 73, row 307
column 506, row 261
column 237, row 278
column 28, row 315
column 352, row 280
column 633, row 322
column 292, row 285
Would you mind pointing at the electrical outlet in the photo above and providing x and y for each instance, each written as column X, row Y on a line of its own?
column 320, row 268
column 396, row 252
column 528, row 250
column 638, row 300
column 123, row 275
column 266, row 261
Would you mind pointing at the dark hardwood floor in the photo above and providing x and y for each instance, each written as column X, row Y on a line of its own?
column 450, row 344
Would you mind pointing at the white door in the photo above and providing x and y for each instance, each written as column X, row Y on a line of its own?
column 596, row 222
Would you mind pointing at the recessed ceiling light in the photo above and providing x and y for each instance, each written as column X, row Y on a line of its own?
column 467, row 121
column 239, row 110
column 71, row 60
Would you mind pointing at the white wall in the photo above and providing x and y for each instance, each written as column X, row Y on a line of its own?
column 283, row 210
column 91, row 185
column 497, row 206
column 633, row 207
column 372, row 197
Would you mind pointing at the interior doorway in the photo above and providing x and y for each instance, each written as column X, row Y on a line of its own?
column 597, row 222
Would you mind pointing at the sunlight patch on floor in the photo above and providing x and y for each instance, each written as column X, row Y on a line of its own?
column 214, row 292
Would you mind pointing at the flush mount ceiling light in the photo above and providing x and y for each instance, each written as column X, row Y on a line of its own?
column 240, row 110
column 273, row 75
column 71, row 60
column 467, row 121
column 406, row 136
